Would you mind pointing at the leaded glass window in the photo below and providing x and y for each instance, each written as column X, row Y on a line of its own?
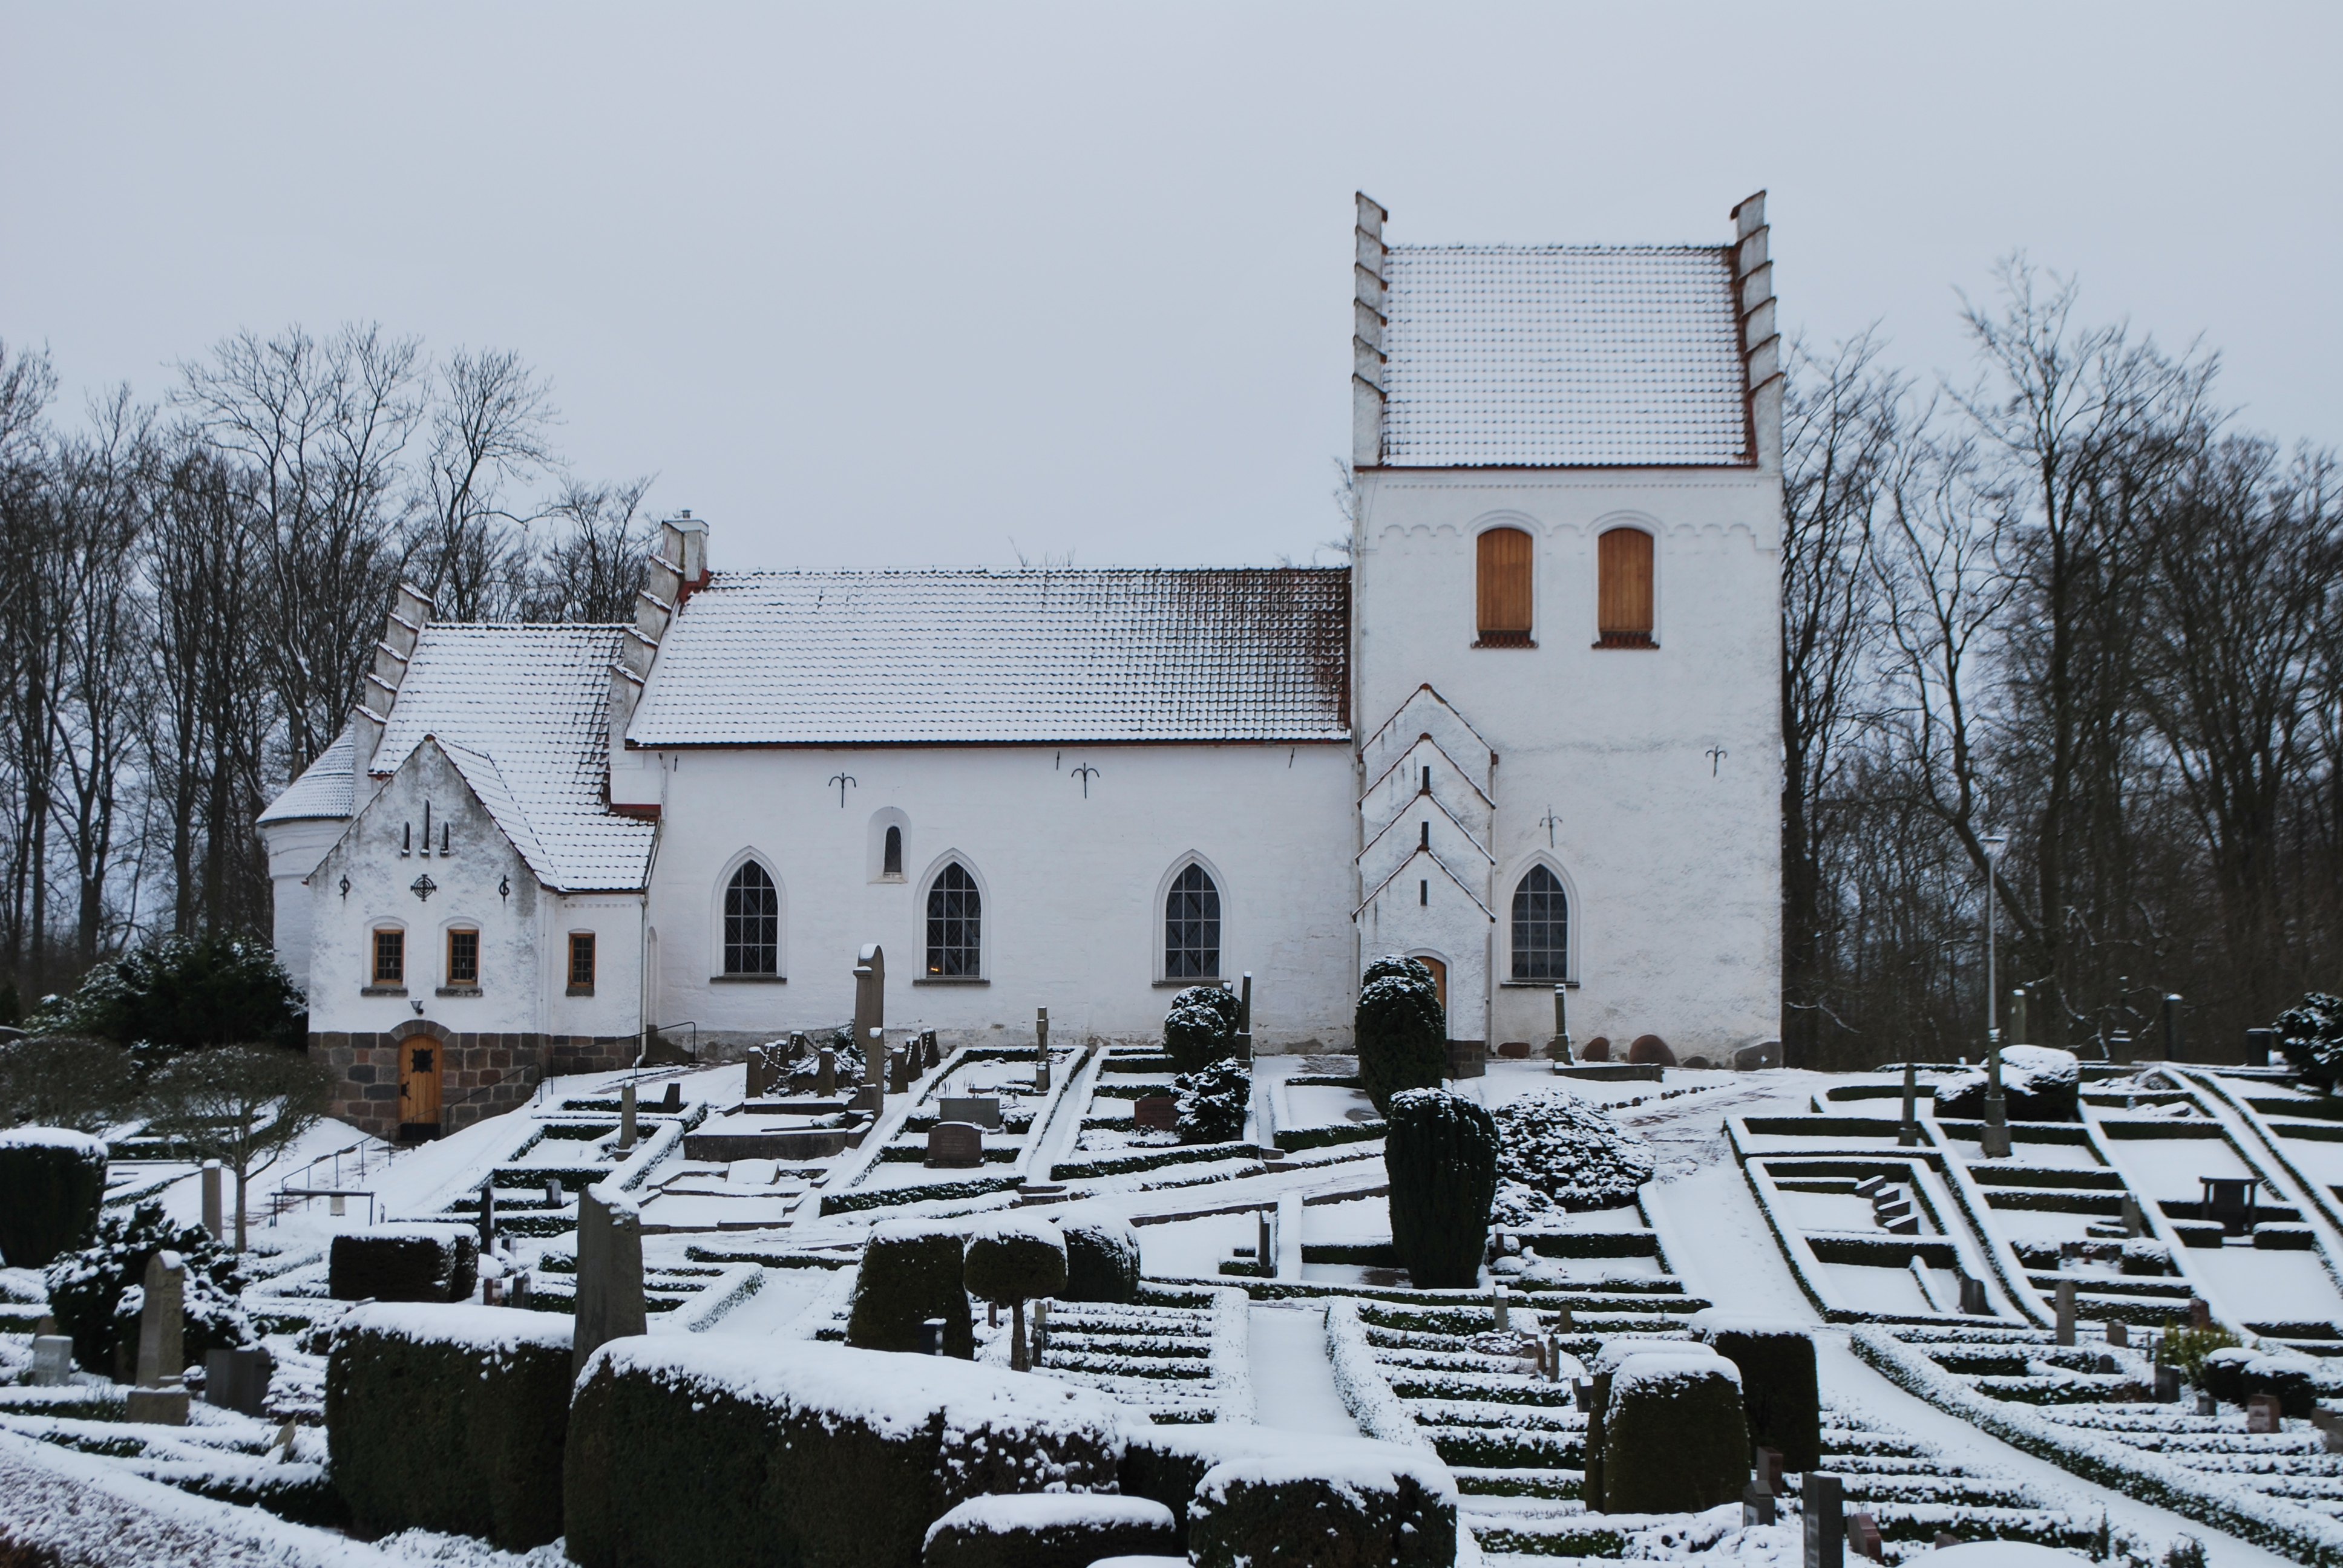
column 752, row 922
column 1191, row 927
column 1541, row 927
column 955, row 949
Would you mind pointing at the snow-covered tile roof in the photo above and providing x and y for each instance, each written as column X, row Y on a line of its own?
column 1548, row 356
column 991, row 656
column 322, row 790
column 533, row 701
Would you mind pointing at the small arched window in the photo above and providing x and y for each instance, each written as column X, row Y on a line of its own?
column 1541, row 927
column 1503, row 579
column 1624, row 611
column 891, row 860
column 954, row 929
column 1191, row 927
column 752, row 922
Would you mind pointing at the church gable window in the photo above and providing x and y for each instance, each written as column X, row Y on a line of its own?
column 389, row 956
column 1191, row 927
column 1623, row 613
column 463, row 956
column 955, row 913
column 581, row 963
column 890, row 862
column 1541, row 927
column 1503, row 579
column 752, row 922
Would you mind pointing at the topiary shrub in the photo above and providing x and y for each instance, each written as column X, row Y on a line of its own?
column 1441, row 1155
column 2310, row 1034
column 1673, row 1440
column 2295, row 1379
column 1167, row 1463
column 2222, row 1372
column 56, row 1182
column 1101, row 1258
column 1201, row 1026
column 64, row 1081
column 1212, row 1102
column 1337, row 1504
column 95, row 1293
column 403, row 1264
column 185, row 992
column 1048, row 1530
column 2038, row 1083
column 450, row 1418
column 696, row 1451
column 1556, row 1151
column 1781, row 1400
column 1400, row 1030
column 1011, row 1259
column 911, row 1272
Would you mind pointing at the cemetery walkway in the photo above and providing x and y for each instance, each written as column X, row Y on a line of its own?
column 1293, row 1381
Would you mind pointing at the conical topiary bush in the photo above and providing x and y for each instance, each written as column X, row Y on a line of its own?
column 1401, row 1029
column 1441, row 1155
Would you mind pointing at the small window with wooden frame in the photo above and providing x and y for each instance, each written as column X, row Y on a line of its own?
column 463, row 958
column 581, row 963
column 1502, row 580
column 390, row 960
column 1624, row 598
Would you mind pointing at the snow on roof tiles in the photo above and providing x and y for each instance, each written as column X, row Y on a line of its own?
column 322, row 790
column 1552, row 355
column 975, row 658
column 533, row 702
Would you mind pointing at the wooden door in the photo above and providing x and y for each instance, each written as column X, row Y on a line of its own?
column 419, row 1068
column 1439, row 979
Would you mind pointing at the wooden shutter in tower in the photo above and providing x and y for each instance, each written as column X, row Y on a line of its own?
column 1504, row 580
column 1623, row 615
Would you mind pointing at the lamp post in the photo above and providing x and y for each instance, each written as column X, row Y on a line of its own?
column 1996, row 1141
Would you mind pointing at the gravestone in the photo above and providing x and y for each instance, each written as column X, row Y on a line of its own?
column 931, row 1337
column 1760, row 1502
column 609, row 1272
column 869, row 992
column 869, row 1097
column 161, row 1398
column 673, row 1100
column 2135, row 1223
column 1597, row 1050
column 1973, row 1298
column 2065, row 1311
column 52, row 1361
column 2200, row 1312
column 2167, row 1385
column 929, row 1057
column 2119, row 1335
column 238, row 1380
column 553, row 1195
column 754, row 1066
column 487, row 1216
column 983, row 1110
column 2259, row 1043
column 2263, row 1413
column 1515, row 1051
column 1825, row 1501
column 1499, row 1307
column 2205, row 1404
column 1757, row 1058
column 825, row 1075
column 213, row 1221
column 625, row 1116
column 955, row 1145
column 899, row 1072
column 1155, row 1113
column 1862, row 1536
column 1244, row 1020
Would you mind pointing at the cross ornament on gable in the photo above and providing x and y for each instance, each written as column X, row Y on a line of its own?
column 1549, row 823
column 1086, row 773
column 842, row 781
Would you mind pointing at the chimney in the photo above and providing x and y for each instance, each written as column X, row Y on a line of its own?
column 1761, row 343
column 1369, row 314
column 677, row 568
column 410, row 612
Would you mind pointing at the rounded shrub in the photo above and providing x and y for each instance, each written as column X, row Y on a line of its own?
column 1556, row 1151
column 1212, row 1102
column 911, row 1272
column 1333, row 1504
column 1441, row 1155
column 1011, row 1260
column 1400, row 1030
column 1101, row 1258
column 56, row 1182
column 1674, row 1438
column 185, row 992
column 1201, row 1026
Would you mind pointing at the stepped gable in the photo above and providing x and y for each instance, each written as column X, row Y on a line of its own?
column 1025, row 656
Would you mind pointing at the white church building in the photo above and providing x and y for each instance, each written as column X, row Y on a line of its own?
column 1529, row 734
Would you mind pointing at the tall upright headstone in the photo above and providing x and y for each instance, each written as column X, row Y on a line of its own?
column 487, row 1216
column 625, row 1116
column 2065, row 1311
column 1041, row 1048
column 1907, row 1132
column 1823, row 1498
column 1244, row 1020
column 213, row 1217
column 1560, row 1049
column 161, row 1396
column 932, row 1059
column 869, row 998
column 609, row 1272
column 825, row 1075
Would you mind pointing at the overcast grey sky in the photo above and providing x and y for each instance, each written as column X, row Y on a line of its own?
column 886, row 284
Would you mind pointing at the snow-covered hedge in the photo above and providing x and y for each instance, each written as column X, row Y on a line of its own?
column 2039, row 1082
column 1336, row 1500
column 1366, row 1393
column 1780, row 1394
column 1555, row 1152
column 912, row 1273
column 450, row 1418
column 1673, row 1439
column 56, row 1181
column 1165, row 1463
column 404, row 1264
column 1048, row 1530
column 1101, row 1257
column 701, row 1450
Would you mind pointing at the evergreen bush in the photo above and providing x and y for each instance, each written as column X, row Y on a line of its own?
column 55, row 1179
column 95, row 1293
column 1201, row 1026
column 1673, row 1439
column 1048, row 1530
column 694, row 1451
column 1781, row 1399
column 64, row 1081
column 1101, row 1258
column 450, row 1418
column 1337, row 1504
column 1011, row 1259
column 2038, row 1083
column 185, row 992
column 911, row 1272
column 1400, row 1030
column 1441, row 1154
column 2310, row 1036
column 2294, row 1379
column 1166, row 1463
column 1555, row 1152
column 1210, row 1102
column 403, row 1264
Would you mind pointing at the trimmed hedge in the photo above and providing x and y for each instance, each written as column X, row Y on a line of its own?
column 701, row 1452
column 1335, row 1505
column 911, row 1272
column 403, row 1264
column 1167, row 1463
column 1048, row 1530
column 55, row 1182
column 1780, row 1397
column 1101, row 1258
column 450, row 1418
column 1673, row 1439
column 1443, row 1158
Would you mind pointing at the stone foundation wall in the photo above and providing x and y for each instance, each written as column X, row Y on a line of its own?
column 481, row 1075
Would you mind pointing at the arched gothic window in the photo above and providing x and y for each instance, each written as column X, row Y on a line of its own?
column 1191, row 927
column 1541, row 927
column 752, row 922
column 1504, row 583
column 954, row 929
column 891, row 862
column 1623, row 608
